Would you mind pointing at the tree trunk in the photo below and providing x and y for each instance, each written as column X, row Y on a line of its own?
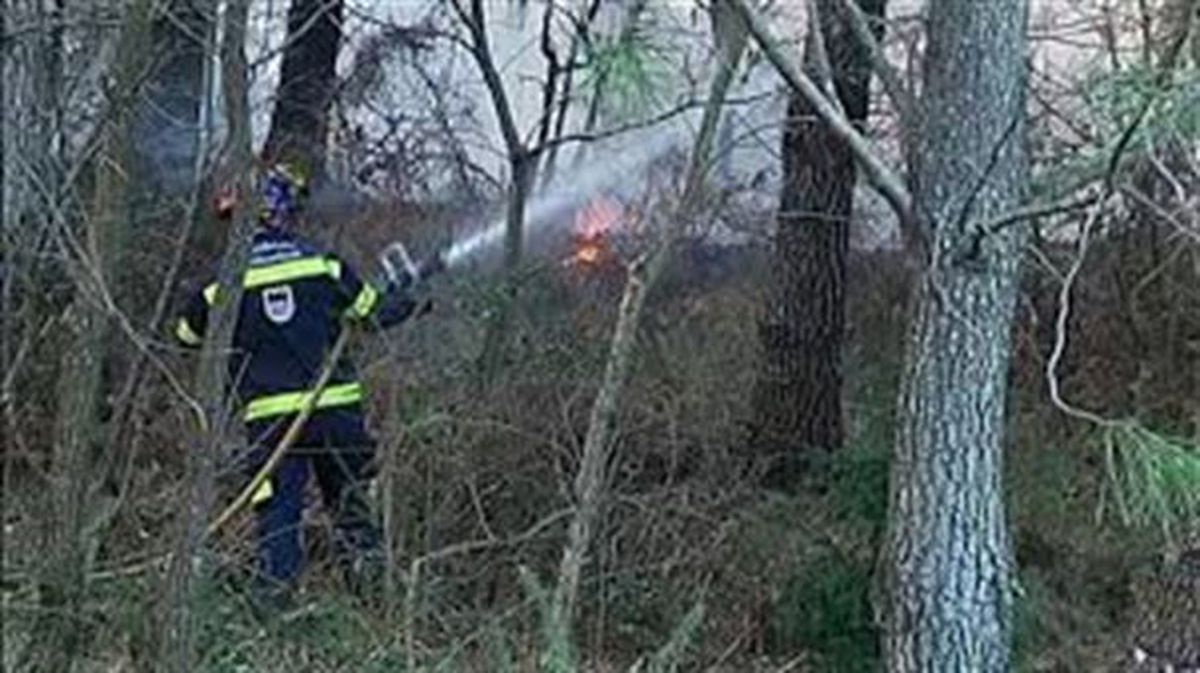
column 177, row 638
column 307, row 81
column 71, row 546
column 591, row 481
column 948, row 559
column 799, row 388
column 496, row 338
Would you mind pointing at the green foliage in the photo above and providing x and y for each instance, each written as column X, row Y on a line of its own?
column 628, row 72
column 860, row 481
column 673, row 653
column 1154, row 478
column 824, row 608
column 558, row 651
column 1117, row 97
column 1030, row 633
column 1112, row 101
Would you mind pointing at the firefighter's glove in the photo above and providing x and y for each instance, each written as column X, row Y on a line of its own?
column 430, row 266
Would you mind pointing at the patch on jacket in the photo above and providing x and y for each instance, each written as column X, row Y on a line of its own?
column 279, row 304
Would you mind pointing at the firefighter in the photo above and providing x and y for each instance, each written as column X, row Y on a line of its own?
column 296, row 299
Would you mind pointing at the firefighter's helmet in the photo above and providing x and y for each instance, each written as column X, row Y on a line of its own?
column 283, row 191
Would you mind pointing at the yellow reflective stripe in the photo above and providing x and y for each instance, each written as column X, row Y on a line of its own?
column 287, row 403
column 364, row 303
column 295, row 269
column 185, row 333
column 263, row 493
column 305, row 267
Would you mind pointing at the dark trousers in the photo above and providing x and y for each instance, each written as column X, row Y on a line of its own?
column 342, row 476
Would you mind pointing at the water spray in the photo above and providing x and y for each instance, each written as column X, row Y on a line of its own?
column 616, row 174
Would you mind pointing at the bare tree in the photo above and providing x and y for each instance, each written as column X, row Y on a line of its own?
column 592, row 478
column 522, row 165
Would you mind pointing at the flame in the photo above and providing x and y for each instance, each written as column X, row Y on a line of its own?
column 589, row 253
column 593, row 223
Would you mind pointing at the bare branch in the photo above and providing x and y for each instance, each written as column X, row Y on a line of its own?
column 666, row 115
column 482, row 53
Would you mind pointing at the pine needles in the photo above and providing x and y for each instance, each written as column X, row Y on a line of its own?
column 1154, row 478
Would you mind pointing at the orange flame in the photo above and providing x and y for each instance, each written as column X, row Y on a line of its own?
column 593, row 223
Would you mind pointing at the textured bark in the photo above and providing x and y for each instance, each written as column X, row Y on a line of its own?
column 798, row 393
column 307, row 81
column 948, row 557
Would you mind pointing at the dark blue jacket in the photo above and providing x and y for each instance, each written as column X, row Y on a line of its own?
column 295, row 299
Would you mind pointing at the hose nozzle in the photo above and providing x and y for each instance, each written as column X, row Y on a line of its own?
column 402, row 270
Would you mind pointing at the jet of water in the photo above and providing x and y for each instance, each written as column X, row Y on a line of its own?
column 609, row 170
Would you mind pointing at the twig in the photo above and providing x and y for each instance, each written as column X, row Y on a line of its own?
column 666, row 115
column 1060, row 325
column 1036, row 211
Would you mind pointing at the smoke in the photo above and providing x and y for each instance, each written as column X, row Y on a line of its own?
column 616, row 169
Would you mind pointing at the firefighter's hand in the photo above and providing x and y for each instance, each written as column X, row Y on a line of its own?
column 224, row 202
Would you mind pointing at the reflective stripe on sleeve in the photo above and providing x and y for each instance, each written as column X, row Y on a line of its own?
column 185, row 333
column 210, row 293
column 364, row 303
column 263, row 493
column 288, row 403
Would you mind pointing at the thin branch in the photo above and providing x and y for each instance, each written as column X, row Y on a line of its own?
column 666, row 115
column 1061, row 324
column 482, row 54
column 1036, row 211
column 1166, row 68
column 889, row 185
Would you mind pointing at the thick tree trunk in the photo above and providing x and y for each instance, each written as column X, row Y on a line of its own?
column 948, row 558
column 799, row 389
column 307, row 81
